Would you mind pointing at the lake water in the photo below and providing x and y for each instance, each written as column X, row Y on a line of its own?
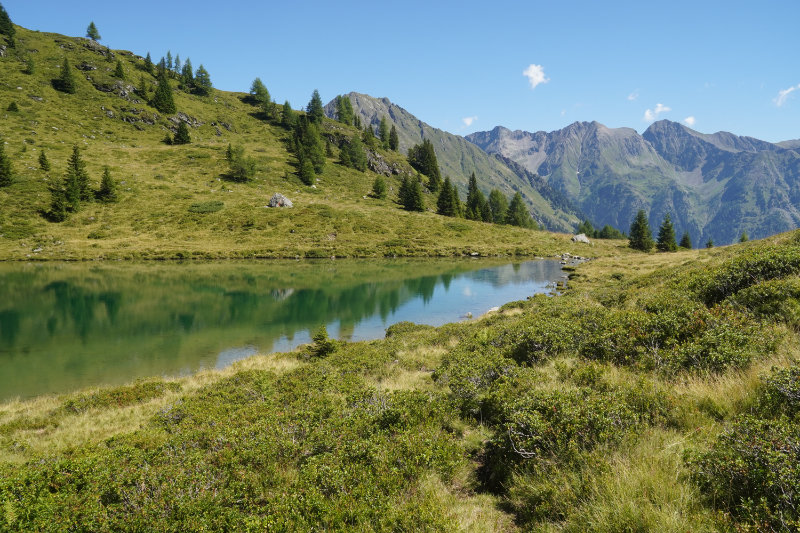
column 68, row 326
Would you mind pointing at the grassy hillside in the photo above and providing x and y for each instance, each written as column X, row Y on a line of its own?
column 657, row 394
column 162, row 187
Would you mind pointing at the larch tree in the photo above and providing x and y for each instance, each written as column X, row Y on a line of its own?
column 148, row 64
column 518, row 214
column 260, row 95
column 344, row 110
column 744, row 237
column 640, row 236
column 202, row 81
column 288, row 116
column 379, row 187
column 76, row 181
column 187, row 76
column 92, row 33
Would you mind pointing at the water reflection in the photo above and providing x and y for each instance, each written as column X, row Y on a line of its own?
column 67, row 326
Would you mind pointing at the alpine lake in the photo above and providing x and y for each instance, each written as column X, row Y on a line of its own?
column 67, row 326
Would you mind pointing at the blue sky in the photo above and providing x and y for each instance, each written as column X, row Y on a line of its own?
column 731, row 66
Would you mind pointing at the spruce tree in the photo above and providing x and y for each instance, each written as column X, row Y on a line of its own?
column 356, row 153
column 476, row 202
column 108, row 189
column 666, row 236
column 187, row 76
column 13, row 107
column 306, row 171
column 58, row 202
column 119, row 72
column 445, row 204
column 76, row 180
column 6, row 171
column 383, row 133
column 162, row 98
column 518, row 214
column 344, row 110
column 369, row 137
column 357, row 121
column 182, row 134
column 202, row 82
column 176, row 65
column 288, row 116
column 66, row 82
column 92, row 33
column 423, row 158
column 744, row 237
column 260, row 95
column 710, row 243
column 6, row 27
column 379, row 187
column 148, row 64
column 44, row 163
column 411, row 195
column 394, row 141
column 686, row 241
column 315, row 109
column 640, row 236
column 498, row 207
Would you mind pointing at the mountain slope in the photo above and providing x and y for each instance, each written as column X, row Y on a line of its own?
column 715, row 186
column 459, row 158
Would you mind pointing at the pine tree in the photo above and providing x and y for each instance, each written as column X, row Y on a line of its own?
column 6, row 171
column 148, row 64
column 686, row 241
column 369, row 137
column 306, row 170
column 65, row 82
column 187, row 76
column 355, row 154
column 383, row 133
column 176, row 66
column 411, row 195
column 260, row 95
column 6, row 27
column 288, row 116
column 446, row 202
column 394, row 141
column 518, row 214
column 379, row 187
column 498, row 207
column 587, row 229
column 58, row 202
column 76, row 181
column 314, row 109
column 202, row 82
column 476, row 202
column 92, row 33
column 108, row 189
column 169, row 61
column 344, row 110
column 640, row 236
column 143, row 85
column 44, row 163
column 423, row 158
column 744, row 237
column 710, row 244
column 13, row 107
column 182, row 134
column 666, row 236
column 241, row 168
column 162, row 98
column 357, row 121
column 119, row 72
column 308, row 143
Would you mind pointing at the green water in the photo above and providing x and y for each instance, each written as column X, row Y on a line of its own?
column 68, row 326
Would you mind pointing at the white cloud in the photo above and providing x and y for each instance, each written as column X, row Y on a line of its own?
column 633, row 96
column 535, row 75
column 468, row 121
column 784, row 94
column 652, row 114
column 689, row 121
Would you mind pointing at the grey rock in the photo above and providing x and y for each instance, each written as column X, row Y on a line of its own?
column 581, row 237
column 3, row 50
column 279, row 200
column 86, row 66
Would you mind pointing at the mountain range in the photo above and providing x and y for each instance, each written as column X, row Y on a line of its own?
column 715, row 186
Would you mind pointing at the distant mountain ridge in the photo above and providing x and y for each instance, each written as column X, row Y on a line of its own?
column 715, row 186
column 458, row 158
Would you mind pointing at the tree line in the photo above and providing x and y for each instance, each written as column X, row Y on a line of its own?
column 641, row 238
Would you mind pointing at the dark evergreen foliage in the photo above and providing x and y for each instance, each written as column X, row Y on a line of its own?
column 119, row 72
column 65, row 82
column 13, row 107
column 498, row 207
column 241, row 168
column 686, row 241
column 379, row 187
column 92, row 33
column 344, row 110
column 666, row 236
column 353, row 155
column 315, row 109
column 410, row 194
column 261, row 97
column 76, row 181
column 423, row 158
column 108, row 189
column 6, row 170
column 518, row 214
column 448, row 203
column 710, row 243
column 182, row 135
column 162, row 98
column 169, row 60
column 58, row 202
column 6, row 27
column 394, row 140
column 288, row 116
column 744, row 237
column 176, row 65
column 369, row 137
column 640, row 236
column 477, row 207
column 187, row 76
column 44, row 163
column 148, row 64
column 202, row 81
column 30, row 66
column 383, row 133
column 306, row 170
column 308, row 145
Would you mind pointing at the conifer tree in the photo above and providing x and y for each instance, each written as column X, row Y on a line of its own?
column 6, row 27
column 640, row 236
column 162, row 98
column 383, row 133
column 379, row 187
column 148, row 64
column 30, row 66
column 176, row 65
column 108, row 189
column 686, row 241
column 306, row 171
column 288, row 116
column 476, row 202
column 260, row 95
column 202, row 81
column 182, row 134
column 710, row 244
column 13, row 107
column 353, row 153
column 666, row 236
column 357, row 121
column 315, row 109
column 518, row 214
column 241, row 168
column 66, row 82
column 446, row 202
column 744, row 237
column 58, row 202
column 187, row 76
column 344, row 110
column 169, row 60
column 143, row 85
column 119, row 72
column 498, row 207
column 410, row 194
column 308, row 143
column 6, row 171
column 92, row 33
column 423, row 158
column 394, row 141
column 369, row 137
column 44, row 163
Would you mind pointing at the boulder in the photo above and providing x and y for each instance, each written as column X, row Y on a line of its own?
column 581, row 237
column 279, row 200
